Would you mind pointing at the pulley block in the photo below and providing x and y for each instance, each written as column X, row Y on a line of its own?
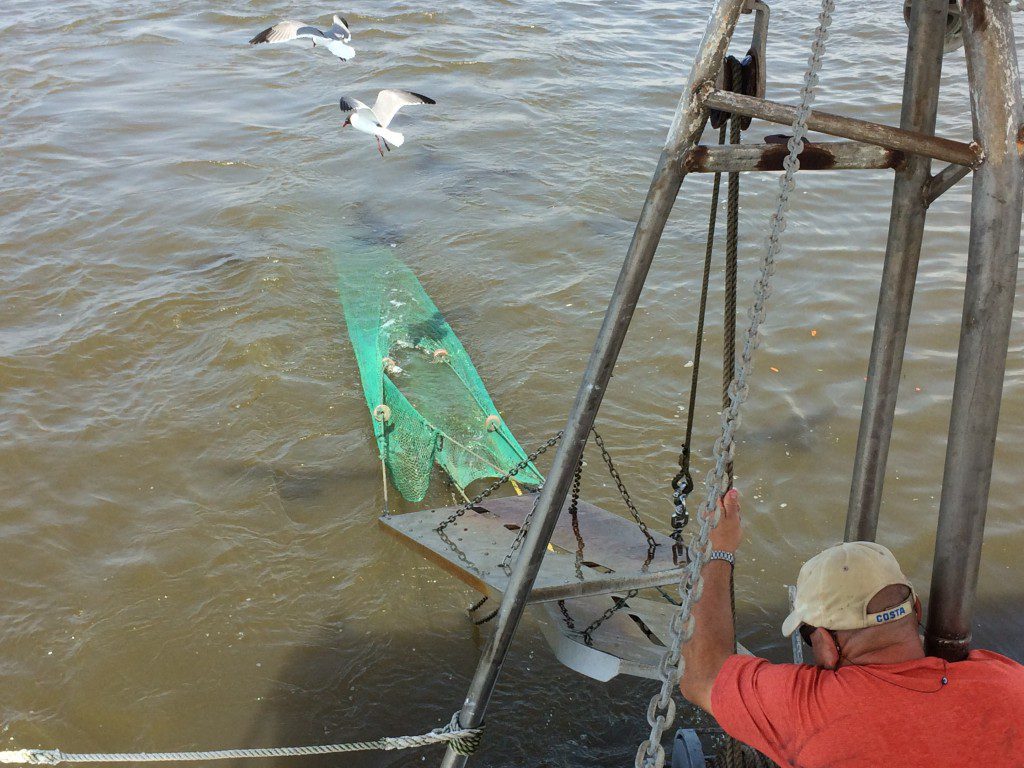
column 752, row 67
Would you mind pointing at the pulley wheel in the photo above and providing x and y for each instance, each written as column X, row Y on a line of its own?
column 954, row 35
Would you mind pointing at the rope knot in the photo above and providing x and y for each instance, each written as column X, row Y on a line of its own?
column 467, row 741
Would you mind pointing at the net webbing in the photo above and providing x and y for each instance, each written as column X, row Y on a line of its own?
column 411, row 361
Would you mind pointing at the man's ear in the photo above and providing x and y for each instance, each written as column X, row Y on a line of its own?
column 918, row 610
column 825, row 648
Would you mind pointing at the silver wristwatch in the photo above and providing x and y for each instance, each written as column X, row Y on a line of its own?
column 721, row 554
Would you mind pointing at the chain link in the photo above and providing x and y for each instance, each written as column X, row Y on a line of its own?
column 650, row 752
column 459, row 553
column 517, row 542
column 651, row 543
column 567, row 616
column 574, row 514
column 619, row 604
column 499, row 482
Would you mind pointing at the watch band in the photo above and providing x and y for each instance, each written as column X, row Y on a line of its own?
column 721, row 554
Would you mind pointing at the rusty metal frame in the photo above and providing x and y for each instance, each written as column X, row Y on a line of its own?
column 816, row 156
column 886, row 136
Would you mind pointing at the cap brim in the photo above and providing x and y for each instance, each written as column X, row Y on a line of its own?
column 792, row 622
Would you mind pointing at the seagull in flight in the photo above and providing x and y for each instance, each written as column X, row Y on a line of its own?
column 375, row 120
column 334, row 39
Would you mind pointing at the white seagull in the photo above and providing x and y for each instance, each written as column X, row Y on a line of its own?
column 375, row 120
column 334, row 39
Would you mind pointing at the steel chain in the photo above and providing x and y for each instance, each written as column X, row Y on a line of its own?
column 651, row 543
column 619, row 604
column 517, row 542
column 574, row 514
column 567, row 616
column 459, row 553
column 499, row 482
column 650, row 752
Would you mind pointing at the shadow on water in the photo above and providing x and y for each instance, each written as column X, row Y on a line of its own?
column 798, row 431
column 295, row 483
column 328, row 691
column 372, row 228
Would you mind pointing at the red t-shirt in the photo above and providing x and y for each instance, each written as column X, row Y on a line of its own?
column 879, row 714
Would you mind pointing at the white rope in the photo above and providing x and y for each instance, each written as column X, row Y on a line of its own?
column 661, row 710
column 462, row 740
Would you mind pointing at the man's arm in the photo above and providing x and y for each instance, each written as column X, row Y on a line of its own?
column 713, row 638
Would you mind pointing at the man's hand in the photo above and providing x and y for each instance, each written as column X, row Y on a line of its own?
column 729, row 533
column 713, row 641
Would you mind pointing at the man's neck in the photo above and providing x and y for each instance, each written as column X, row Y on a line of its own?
column 892, row 653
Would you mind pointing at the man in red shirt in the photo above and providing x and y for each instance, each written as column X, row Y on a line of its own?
column 872, row 697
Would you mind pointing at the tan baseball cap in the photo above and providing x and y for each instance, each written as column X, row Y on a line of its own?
column 835, row 587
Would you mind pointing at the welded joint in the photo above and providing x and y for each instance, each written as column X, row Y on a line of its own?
column 699, row 93
column 942, row 182
column 702, row 91
column 979, row 152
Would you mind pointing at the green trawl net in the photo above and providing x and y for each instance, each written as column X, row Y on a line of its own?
column 436, row 409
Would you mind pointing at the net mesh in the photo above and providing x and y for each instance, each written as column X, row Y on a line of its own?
column 438, row 411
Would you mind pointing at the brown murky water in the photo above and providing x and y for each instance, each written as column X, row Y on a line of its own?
column 188, row 537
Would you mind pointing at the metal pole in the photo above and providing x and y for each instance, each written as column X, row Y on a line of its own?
column 687, row 125
column 903, row 250
column 984, row 335
column 847, row 127
column 816, row 156
column 943, row 181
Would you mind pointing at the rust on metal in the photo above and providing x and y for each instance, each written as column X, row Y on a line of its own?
column 979, row 18
column 816, row 156
column 813, row 157
column 878, row 134
column 697, row 159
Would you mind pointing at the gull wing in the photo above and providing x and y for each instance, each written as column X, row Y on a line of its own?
column 339, row 30
column 348, row 104
column 284, row 31
column 389, row 101
column 338, row 48
column 308, row 31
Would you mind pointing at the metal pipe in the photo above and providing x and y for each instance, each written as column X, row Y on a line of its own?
column 847, row 127
column 816, row 156
column 903, row 250
column 687, row 125
column 994, row 247
column 942, row 181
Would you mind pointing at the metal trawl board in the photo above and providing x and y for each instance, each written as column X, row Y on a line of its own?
column 629, row 642
column 613, row 557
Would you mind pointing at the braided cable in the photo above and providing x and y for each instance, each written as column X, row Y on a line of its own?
column 731, row 249
column 465, row 741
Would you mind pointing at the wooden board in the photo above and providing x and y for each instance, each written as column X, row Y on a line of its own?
column 614, row 556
